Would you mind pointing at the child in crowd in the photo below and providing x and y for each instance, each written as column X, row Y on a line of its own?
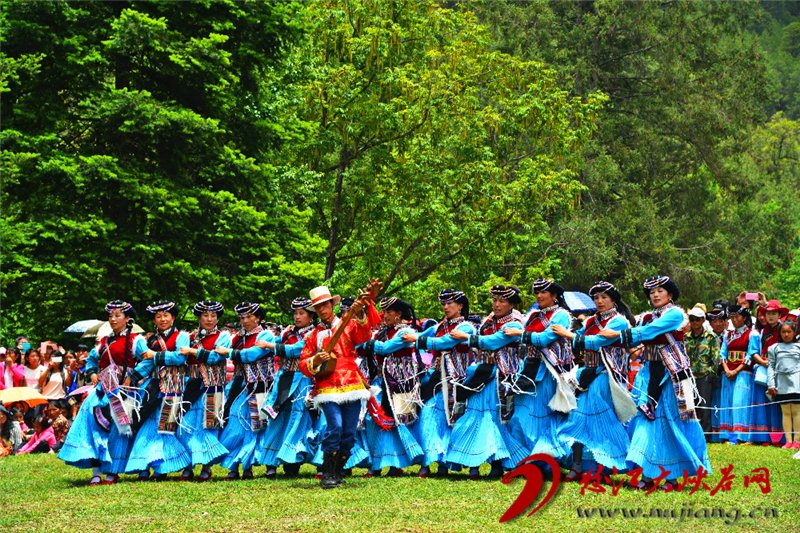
column 783, row 380
column 56, row 414
column 43, row 440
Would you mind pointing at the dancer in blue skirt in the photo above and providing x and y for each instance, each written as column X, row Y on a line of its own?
column 501, row 365
column 397, row 367
column 156, row 445
column 286, row 437
column 247, row 392
column 100, row 436
column 667, row 433
column 205, row 391
column 448, row 370
column 597, row 424
column 539, row 418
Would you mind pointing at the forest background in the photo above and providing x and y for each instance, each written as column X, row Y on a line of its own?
column 254, row 150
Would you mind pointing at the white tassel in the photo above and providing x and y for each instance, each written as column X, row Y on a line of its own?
column 563, row 400
column 624, row 407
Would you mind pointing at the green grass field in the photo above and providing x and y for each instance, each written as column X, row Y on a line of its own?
column 39, row 493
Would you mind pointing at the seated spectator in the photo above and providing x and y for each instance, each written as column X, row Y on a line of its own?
column 56, row 414
column 33, row 370
column 43, row 440
column 6, row 446
column 12, row 374
column 18, row 429
column 52, row 382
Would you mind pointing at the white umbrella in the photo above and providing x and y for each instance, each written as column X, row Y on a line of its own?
column 104, row 330
column 82, row 326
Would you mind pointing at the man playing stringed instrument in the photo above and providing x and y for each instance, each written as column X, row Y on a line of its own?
column 339, row 386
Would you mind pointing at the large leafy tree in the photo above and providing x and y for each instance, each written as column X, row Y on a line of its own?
column 137, row 144
column 431, row 158
column 669, row 187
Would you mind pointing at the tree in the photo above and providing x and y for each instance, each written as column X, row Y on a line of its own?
column 136, row 145
column 430, row 156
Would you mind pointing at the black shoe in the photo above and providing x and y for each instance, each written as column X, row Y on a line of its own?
column 291, row 470
column 272, row 473
column 341, row 460
column 328, row 471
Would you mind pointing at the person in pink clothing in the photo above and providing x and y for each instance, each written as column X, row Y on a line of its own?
column 12, row 374
column 43, row 440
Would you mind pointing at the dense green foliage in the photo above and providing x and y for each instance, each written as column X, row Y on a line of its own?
column 252, row 150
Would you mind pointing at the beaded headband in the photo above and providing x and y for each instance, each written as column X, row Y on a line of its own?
column 386, row 302
column 246, row 308
column 601, row 286
column 162, row 305
column 451, row 295
column 655, row 281
column 211, row 306
column 301, row 303
column 503, row 291
column 118, row 304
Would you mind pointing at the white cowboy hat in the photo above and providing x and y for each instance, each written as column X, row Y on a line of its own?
column 320, row 295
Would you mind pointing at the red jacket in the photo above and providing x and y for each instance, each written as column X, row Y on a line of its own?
column 346, row 384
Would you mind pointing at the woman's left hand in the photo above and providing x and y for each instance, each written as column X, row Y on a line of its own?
column 512, row 332
column 609, row 333
column 222, row 350
column 561, row 331
column 149, row 354
column 459, row 335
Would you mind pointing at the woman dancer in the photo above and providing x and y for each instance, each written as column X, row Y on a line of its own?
column 156, row 445
column 667, row 433
column 551, row 356
column 286, row 436
column 205, row 390
column 100, row 436
column 398, row 367
column 597, row 424
column 451, row 357
column 244, row 429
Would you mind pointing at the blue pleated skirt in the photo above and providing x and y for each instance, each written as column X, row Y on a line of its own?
column 286, row 438
column 162, row 452
column 86, row 441
column 541, row 424
column 765, row 419
column 238, row 436
column 432, row 431
column 202, row 444
column 476, row 438
column 669, row 442
column 742, row 403
column 595, row 425
column 397, row 447
column 314, row 453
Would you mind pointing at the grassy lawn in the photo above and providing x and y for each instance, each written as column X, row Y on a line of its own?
column 39, row 493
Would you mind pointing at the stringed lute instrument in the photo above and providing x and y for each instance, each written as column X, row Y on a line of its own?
column 369, row 293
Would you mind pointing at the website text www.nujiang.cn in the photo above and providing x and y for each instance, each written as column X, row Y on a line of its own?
column 687, row 512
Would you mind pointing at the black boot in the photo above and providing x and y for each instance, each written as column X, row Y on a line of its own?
column 329, row 471
column 291, row 470
column 341, row 460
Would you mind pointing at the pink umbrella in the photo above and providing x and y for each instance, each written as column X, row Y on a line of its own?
column 82, row 390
